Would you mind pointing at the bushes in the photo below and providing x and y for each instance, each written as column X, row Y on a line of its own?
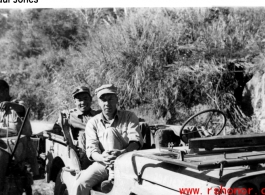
column 165, row 60
column 176, row 62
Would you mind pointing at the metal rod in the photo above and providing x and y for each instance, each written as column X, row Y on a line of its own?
column 19, row 133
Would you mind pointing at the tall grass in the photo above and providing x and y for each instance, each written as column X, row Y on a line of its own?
column 171, row 60
column 163, row 61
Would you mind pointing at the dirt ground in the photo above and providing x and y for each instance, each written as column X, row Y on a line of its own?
column 41, row 187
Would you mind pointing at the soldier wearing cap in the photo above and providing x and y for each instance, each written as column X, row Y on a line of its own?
column 11, row 109
column 12, row 112
column 78, row 116
column 108, row 135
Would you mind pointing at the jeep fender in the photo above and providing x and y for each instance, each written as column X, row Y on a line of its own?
column 59, row 156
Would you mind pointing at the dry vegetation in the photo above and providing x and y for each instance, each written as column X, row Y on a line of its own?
column 164, row 61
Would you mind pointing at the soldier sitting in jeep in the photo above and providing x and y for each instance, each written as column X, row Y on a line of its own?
column 12, row 112
column 78, row 117
column 108, row 135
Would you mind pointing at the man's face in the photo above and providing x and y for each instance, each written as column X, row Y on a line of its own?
column 108, row 104
column 83, row 101
column 4, row 94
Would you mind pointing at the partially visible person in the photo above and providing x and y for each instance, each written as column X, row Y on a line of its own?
column 108, row 135
column 78, row 117
column 12, row 112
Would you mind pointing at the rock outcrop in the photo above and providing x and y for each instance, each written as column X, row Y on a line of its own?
column 253, row 103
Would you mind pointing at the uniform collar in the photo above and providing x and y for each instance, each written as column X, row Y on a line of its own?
column 79, row 113
column 104, row 120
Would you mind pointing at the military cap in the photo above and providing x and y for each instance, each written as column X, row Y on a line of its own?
column 105, row 89
column 80, row 89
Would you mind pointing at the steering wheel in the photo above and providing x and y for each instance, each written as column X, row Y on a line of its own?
column 203, row 124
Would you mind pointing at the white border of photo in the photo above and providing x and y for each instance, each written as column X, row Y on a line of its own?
column 126, row 3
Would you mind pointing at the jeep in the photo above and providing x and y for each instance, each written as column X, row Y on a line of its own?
column 197, row 157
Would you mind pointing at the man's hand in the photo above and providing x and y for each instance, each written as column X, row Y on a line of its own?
column 107, row 157
column 5, row 106
column 116, row 152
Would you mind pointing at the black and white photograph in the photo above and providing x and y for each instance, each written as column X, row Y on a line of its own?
column 152, row 98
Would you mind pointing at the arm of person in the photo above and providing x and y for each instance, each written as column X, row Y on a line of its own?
column 93, row 150
column 106, row 157
column 134, row 145
column 18, row 106
column 134, row 135
column 97, row 157
column 131, row 147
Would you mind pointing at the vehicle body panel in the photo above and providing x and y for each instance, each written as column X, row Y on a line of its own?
column 165, row 171
column 59, row 155
column 163, row 178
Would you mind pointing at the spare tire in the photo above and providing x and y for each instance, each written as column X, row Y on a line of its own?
column 60, row 188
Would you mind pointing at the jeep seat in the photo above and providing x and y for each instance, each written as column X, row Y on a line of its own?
column 148, row 136
column 162, row 137
column 166, row 137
